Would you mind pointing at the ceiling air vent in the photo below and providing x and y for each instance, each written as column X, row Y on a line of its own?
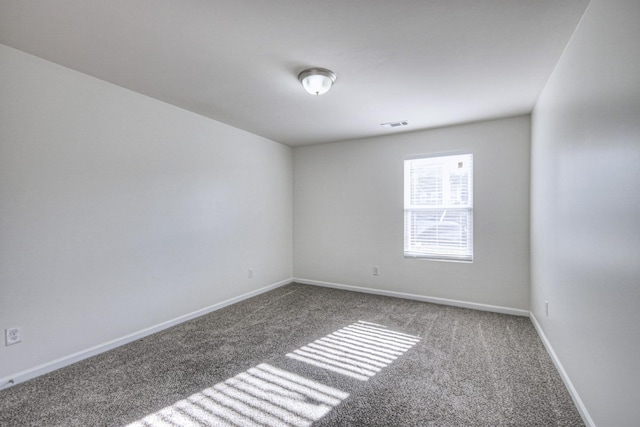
column 399, row 124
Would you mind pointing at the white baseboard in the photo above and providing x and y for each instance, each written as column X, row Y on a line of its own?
column 435, row 300
column 563, row 374
column 101, row 348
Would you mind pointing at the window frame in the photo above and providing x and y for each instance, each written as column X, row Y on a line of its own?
column 441, row 254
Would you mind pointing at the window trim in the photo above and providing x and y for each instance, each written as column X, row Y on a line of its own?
column 469, row 208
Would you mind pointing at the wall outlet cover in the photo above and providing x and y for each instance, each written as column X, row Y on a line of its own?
column 13, row 336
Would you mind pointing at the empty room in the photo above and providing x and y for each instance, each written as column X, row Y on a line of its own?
column 338, row 213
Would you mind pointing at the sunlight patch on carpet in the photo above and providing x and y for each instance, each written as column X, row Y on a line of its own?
column 359, row 350
column 261, row 396
column 266, row 396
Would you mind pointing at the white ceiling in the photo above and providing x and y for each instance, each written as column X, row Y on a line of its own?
column 431, row 62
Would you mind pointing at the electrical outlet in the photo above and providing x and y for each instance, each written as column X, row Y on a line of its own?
column 250, row 273
column 546, row 308
column 376, row 271
column 13, row 336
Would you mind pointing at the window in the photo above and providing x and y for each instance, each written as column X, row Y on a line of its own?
column 438, row 207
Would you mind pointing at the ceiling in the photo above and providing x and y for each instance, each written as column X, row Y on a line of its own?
column 430, row 62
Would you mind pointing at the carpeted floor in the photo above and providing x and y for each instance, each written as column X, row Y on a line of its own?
column 303, row 355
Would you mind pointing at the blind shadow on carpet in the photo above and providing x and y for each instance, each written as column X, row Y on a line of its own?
column 268, row 396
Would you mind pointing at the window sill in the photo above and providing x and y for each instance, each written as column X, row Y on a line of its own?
column 429, row 258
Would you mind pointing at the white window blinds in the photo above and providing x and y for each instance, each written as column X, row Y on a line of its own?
column 438, row 207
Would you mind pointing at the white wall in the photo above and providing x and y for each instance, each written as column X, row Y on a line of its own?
column 348, row 214
column 119, row 212
column 586, row 211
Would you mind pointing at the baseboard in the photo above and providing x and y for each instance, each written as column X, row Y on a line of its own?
column 101, row 348
column 563, row 374
column 435, row 300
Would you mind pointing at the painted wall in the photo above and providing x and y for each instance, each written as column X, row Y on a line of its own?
column 585, row 200
column 348, row 214
column 119, row 212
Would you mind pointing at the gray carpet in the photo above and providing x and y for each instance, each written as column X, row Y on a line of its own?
column 304, row 355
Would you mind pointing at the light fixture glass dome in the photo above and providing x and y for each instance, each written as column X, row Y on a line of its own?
column 317, row 81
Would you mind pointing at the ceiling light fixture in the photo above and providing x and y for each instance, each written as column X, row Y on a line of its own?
column 317, row 81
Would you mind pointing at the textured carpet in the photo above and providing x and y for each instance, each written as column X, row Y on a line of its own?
column 302, row 355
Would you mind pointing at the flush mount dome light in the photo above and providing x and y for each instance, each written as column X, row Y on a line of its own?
column 317, row 81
